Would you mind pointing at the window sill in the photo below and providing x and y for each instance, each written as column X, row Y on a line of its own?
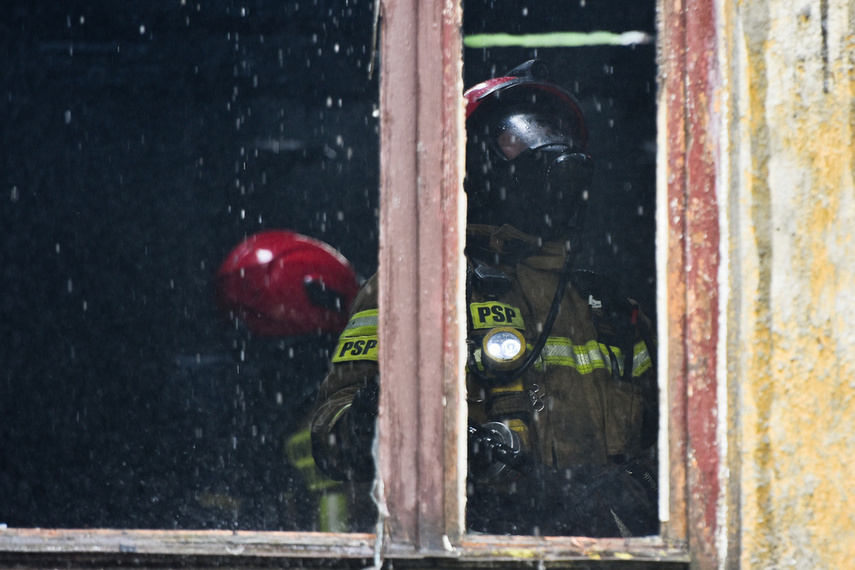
column 35, row 547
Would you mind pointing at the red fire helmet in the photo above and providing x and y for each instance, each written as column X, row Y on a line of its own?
column 281, row 283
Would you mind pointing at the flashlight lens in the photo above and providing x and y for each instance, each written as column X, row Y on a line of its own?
column 504, row 346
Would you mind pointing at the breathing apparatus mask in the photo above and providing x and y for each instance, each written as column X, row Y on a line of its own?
column 526, row 163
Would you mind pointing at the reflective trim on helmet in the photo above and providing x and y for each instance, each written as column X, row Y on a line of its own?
column 363, row 323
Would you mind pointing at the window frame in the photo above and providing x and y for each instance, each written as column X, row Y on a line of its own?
column 421, row 266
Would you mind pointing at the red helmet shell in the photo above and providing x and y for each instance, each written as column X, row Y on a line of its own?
column 267, row 282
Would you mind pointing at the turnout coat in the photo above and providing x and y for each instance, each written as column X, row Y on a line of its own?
column 585, row 411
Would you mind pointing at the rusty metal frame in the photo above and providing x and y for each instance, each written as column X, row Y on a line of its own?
column 421, row 448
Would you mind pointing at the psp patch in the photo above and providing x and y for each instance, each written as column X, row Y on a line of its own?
column 354, row 348
column 489, row 315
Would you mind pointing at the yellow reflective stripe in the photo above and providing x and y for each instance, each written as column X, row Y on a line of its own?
column 477, row 356
column 560, row 351
column 492, row 314
column 363, row 323
column 339, row 413
column 354, row 348
column 332, row 516
column 641, row 361
column 298, row 449
column 516, row 386
column 521, row 428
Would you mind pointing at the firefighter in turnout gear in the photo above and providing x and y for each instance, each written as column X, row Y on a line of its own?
column 561, row 375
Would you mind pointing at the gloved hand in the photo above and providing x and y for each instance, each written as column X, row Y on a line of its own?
column 361, row 421
column 362, row 415
column 495, row 452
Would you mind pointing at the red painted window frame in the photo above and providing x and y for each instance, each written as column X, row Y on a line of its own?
column 691, row 236
column 421, row 447
column 427, row 510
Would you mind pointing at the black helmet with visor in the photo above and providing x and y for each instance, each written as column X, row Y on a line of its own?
column 526, row 160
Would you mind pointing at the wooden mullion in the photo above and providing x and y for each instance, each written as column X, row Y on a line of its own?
column 420, row 274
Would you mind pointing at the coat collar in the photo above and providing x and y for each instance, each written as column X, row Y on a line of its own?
column 510, row 245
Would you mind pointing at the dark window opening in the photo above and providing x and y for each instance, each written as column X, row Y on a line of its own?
column 148, row 381
column 561, row 151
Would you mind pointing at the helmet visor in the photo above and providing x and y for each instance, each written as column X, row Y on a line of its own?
column 519, row 131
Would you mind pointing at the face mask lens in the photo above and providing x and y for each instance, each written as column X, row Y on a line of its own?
column 512, row 146
column 521, row 131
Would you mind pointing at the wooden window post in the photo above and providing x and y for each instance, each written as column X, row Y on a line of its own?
column 421, row 292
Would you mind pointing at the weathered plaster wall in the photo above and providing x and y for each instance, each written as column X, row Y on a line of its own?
column 787, row 103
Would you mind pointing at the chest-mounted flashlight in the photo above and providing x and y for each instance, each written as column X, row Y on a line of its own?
column 502, row 349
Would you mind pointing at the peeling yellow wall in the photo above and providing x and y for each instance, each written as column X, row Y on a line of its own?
column 788, row 198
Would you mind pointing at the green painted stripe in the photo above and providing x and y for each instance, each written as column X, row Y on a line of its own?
column 557, row 39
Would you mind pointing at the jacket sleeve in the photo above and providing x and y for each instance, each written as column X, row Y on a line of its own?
column 339, row 451
column 645, row 338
